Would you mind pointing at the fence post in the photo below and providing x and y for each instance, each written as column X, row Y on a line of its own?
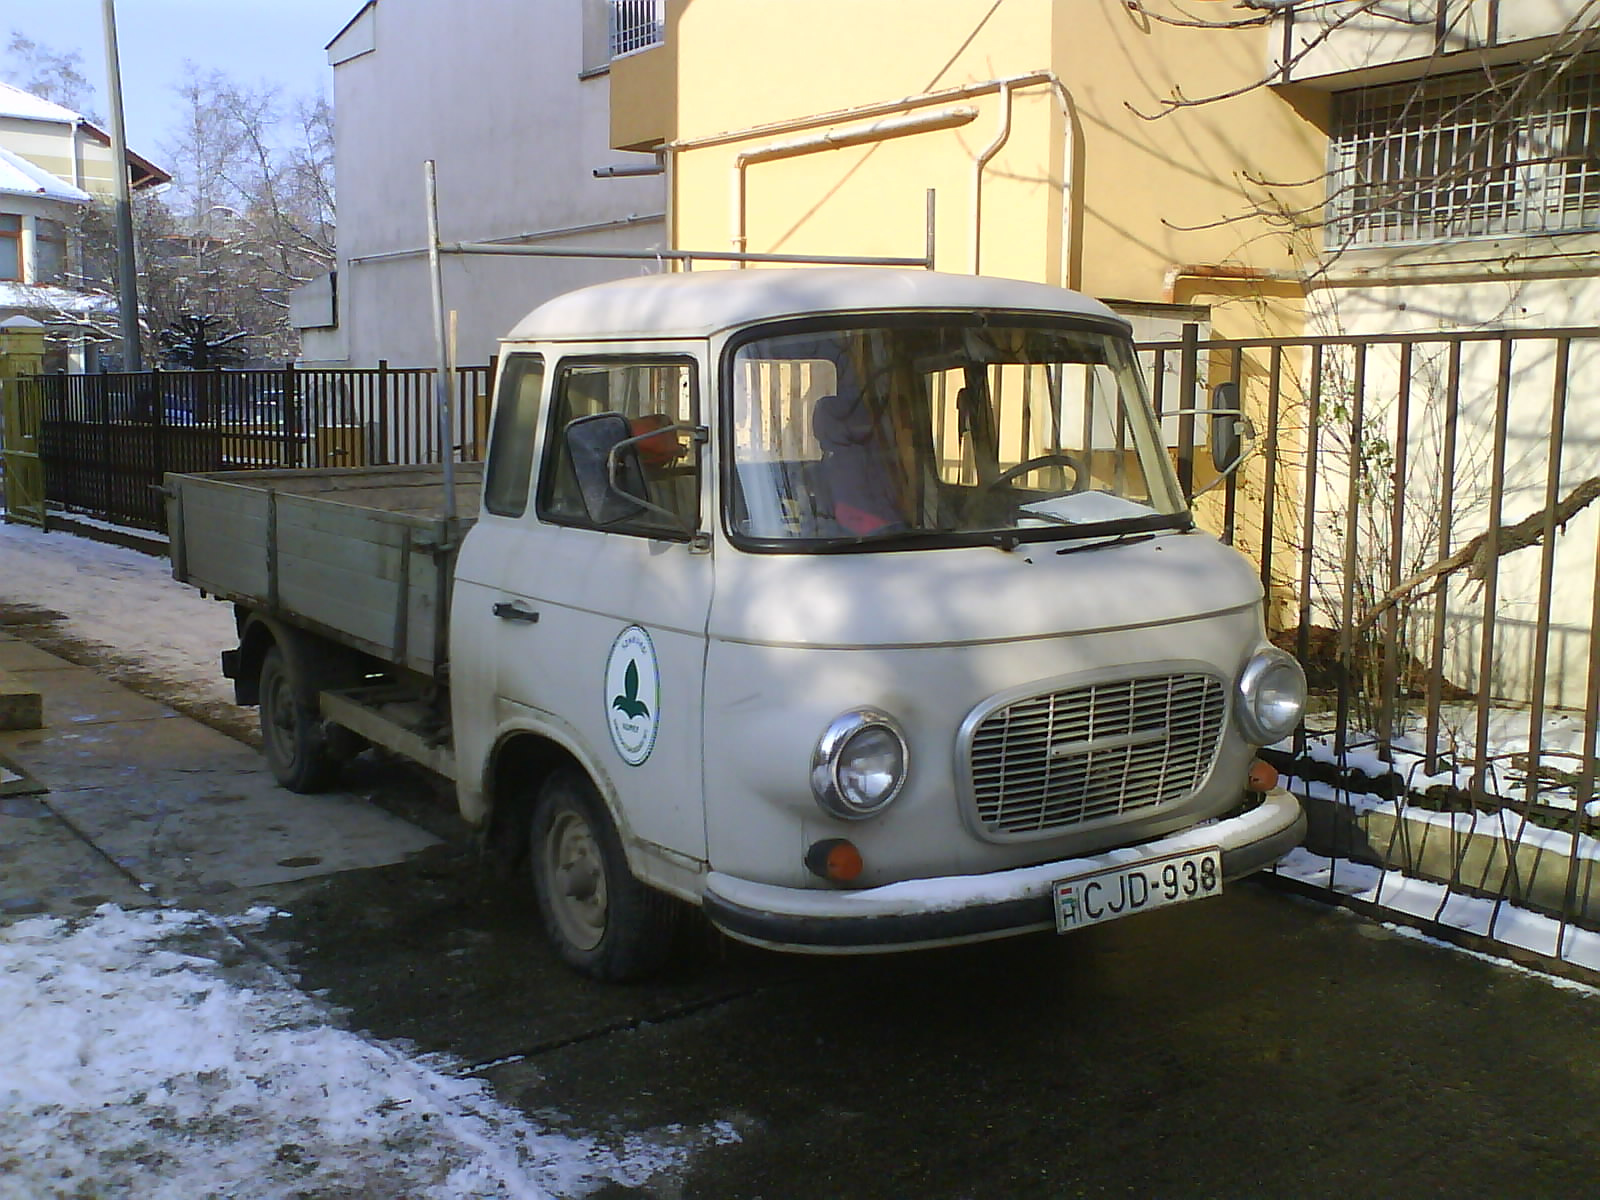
column 380, row 455
column 1188, row 375
column 291, row 417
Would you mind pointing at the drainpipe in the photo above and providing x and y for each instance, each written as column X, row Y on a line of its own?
column 77, row 159
column 835, row 139
column 978, row 165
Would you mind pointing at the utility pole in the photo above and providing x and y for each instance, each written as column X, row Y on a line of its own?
column 127, row 271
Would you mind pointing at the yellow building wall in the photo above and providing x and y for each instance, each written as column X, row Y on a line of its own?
column 1192, row 208
column 1146, row 198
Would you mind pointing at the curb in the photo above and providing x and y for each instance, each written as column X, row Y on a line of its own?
column 21, row 705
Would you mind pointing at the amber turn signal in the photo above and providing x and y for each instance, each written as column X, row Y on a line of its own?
column 835, row 860
column 1263, row 777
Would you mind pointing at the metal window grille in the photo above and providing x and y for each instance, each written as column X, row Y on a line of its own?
column 636, row 25
column 1510, row 151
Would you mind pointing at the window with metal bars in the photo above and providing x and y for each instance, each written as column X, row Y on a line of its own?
column 636, row 25
column 1514, row 150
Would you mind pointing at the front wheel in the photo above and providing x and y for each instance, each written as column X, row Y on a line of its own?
column 292, row 737
column 600, row 919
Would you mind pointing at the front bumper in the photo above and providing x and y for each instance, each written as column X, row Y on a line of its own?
column 966, row 908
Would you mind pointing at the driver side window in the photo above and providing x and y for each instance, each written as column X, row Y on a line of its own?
column 649, row 395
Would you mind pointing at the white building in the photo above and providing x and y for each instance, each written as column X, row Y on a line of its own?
column 511, row 99
column 1463, row 194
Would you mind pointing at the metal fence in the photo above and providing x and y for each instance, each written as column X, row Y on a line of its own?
column 1420, row 510
column 1419, row 507
column 107, row 440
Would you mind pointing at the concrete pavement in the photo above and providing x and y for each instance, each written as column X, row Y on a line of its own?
column 117, row 798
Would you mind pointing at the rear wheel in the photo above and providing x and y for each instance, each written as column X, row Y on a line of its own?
column 600, row 919
column 292, row 735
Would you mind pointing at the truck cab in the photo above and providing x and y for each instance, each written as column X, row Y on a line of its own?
column 859, row 608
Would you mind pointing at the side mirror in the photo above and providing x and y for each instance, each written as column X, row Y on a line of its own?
column 1229, row 428
column 594, row 442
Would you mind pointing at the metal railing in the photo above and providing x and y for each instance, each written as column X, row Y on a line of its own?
column 636, row 25
column 1420, row 513
column 107, row 440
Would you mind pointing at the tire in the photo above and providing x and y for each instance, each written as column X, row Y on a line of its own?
column 292, row 736
column 601, row 920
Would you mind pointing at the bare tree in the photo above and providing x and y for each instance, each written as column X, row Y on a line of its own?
column 252, row 205
column 49, row 73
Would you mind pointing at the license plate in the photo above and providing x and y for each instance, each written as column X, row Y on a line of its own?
column 1139, row 887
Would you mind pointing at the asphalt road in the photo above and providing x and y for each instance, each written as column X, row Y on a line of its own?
column 1251, row 1045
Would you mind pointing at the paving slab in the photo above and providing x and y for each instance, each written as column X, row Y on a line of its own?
column 91, row 754
column 80, row 697
column 46, row 868
column 17, row 655
column 205, row 834
column 184, row 810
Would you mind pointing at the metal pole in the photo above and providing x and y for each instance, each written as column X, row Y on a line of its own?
column 127, row 270
column 443, row 386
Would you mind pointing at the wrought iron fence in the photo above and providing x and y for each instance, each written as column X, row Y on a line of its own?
column 107, row 440
column 1421, row 513
column 1419, row 507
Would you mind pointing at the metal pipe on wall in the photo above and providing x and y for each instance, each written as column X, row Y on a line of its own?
column 988, row 152
column 1070, row 200
column 879, row 131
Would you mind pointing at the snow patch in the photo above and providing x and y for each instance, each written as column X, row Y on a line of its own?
column 133, row 1064
column 1435, row 902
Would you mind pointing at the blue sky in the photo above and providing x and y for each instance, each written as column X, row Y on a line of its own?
column 254, row 41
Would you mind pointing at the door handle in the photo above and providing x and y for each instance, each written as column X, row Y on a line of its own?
column 506, row 610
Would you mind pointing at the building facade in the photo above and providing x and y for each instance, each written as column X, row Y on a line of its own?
column 54, row 166
column 511, row 101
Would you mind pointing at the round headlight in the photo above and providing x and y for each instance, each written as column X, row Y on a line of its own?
column 859, row 765
column 1272, row 696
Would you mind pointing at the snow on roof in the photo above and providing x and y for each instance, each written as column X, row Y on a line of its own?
column 53, row 300
column 19, row 177
column 14, row 102
column 701, row 303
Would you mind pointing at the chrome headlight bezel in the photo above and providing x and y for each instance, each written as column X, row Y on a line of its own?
column 1270, row 674
column 833, row 795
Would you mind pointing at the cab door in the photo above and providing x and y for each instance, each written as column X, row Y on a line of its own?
column 601, row 631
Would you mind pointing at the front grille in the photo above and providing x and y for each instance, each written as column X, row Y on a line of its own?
column 1049, row 762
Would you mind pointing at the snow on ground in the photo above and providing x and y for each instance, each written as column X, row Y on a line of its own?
column 1403, row 894
column 1508, row 741
column 122, row 600
column 135, row 1064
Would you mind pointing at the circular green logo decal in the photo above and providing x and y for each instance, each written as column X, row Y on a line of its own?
column 633, row 695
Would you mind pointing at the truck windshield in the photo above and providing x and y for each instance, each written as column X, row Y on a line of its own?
column 943, row 431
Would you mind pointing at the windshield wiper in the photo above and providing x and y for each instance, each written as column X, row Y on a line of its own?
column 1117, row 539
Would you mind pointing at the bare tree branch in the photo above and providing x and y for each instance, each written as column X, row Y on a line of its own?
column 1475, row 556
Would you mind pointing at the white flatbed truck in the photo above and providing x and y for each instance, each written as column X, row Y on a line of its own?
column 858, row 608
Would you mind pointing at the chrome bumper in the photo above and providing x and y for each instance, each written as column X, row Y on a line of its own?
column 964, row 908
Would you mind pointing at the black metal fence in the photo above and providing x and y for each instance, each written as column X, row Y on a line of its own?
column 1421, row 513
column 107, row 440
column 1419, row 507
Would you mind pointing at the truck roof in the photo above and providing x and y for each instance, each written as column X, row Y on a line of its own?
column 695, row 304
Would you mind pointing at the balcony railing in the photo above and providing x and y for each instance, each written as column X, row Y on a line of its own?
column 636, row 25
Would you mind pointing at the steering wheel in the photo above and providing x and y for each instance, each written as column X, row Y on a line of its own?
column 1080, row 477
